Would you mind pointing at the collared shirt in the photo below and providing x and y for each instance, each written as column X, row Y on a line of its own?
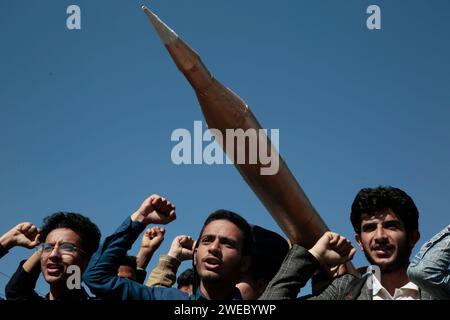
column 408, row 292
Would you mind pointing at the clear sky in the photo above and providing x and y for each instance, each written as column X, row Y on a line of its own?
column 86, row 115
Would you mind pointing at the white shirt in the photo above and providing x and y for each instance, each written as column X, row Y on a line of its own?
column 408, row 292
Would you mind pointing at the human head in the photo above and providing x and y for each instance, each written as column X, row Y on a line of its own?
column 222, row 251
column 185, row 281
column 128, row 267
column 268, row 252
column 386, row 222
column 72, row 228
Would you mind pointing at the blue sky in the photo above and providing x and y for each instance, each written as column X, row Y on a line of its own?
column 86, row 115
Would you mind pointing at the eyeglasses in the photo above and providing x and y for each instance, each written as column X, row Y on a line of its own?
column 63, row 248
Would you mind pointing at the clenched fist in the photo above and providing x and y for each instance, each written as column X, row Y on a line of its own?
column 153, row 238
column 332, row 250
column 25, row 234
column 155, row 210
column 182, row 248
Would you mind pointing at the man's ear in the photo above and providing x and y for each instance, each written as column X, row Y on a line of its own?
column 245, row 263
column 413, row 237
column 358, row 241
column 194, row 257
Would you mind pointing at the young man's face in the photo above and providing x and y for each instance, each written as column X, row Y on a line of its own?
column 54, row 262
column 384, row 240
column 219, row 254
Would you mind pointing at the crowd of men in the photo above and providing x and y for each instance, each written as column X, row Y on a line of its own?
column 233, row 259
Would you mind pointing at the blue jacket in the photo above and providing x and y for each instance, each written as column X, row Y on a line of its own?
column 101, row 274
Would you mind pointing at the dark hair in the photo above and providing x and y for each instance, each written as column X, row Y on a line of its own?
column 268, row 252
column 235, row 219
column 372, row 200
column 89, row 233
column 129, row 261
column 186, row 278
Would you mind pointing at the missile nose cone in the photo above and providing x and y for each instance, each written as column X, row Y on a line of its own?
column 166, row 34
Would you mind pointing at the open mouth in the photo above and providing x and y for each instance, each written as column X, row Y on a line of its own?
column 212, row 263
column 54, row 269
column 383, row 251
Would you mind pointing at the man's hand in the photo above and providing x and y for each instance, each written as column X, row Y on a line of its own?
column 151, row 241
column 182, row 248
column 25, row 234
column 332, row 250
column 152, row 238
column 155, row 210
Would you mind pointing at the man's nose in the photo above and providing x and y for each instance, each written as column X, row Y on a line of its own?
column 214, row 247
column 55, row 252
column 380, row 234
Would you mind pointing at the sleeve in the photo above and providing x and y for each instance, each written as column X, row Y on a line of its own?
column 101, row 274
column 337, row 290
column 3, row 251
column 21, row 285
column 165, row 273
column 429, row 268
column 141, row 274
column 297, row 268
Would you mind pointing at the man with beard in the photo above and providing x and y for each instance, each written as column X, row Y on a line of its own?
column 268, row 250
column 385, row 220
column 68, row 239
column 221, row 255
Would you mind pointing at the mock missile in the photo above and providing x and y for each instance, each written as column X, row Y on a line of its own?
column 223, row 109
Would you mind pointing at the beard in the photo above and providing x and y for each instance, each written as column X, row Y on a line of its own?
column 401, row 260
column 211, row 278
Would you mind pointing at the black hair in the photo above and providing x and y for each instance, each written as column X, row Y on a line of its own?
column 89, row 233
column 373, row 200
column 186, row 278
column 235, row 219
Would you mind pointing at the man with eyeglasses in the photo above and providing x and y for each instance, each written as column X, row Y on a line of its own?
column 68, row 239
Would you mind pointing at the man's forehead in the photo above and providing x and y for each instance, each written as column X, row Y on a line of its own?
column 222, row 228
column 63, row 234
column 384, row 215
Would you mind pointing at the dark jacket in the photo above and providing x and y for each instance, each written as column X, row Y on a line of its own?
column 300, row 265
column 3, row 251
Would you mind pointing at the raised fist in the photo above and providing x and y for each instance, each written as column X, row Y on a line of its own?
column 155, row 210
column 153, row 238
column 182, row 248
column 25, row 234
column 332, row 250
